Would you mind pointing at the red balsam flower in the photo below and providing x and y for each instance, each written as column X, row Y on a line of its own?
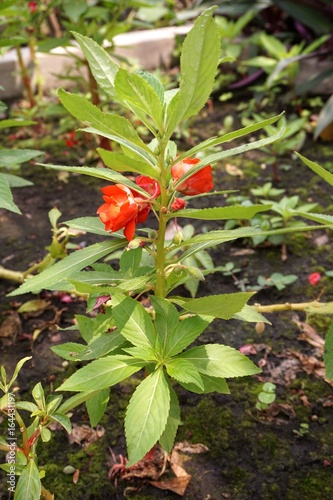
column 124, row 208
column 32, row 7
column 198, row 183
column 314, row 278
column 120, row 210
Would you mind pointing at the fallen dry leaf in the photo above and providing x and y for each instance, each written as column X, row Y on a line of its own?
column 177, row 485
column 10, row 328
column 233, row 170
column 85, row 435
column 76, row 476
column 309, row 334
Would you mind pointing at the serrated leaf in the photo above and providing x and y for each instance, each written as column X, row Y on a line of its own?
column 68, row 266
column 18, row 368
column 199, row 60
column 96, row 406
column 185, row 332
column 69, row 350
column 102, row 66
column 218, row 360
column 230, row 136
column 28, row 486
column 147, row 415
column 169, row 434
column 222, row 306
column 26, row 405
column 63, row 420
column 184, row 371
column 211, row 384
column 115, row 127
column 248, row 313
column 6, row 197
column 123, row 163
column 328, row 354
column 135, row 90
column 133, row 321
column 102, row 373
column 100, row 173
column 220, row 213
column 321, row 218
column 15, row 180
column 91, row 225
column 10, row 157
column 324, row 174
column 166, row 319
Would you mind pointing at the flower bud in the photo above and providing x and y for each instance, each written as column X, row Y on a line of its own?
column 260, row 327
column 178, row 238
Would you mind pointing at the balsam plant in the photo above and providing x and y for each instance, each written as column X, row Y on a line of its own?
column 156, row 340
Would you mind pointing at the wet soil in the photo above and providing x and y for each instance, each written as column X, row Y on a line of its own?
column 282, row 453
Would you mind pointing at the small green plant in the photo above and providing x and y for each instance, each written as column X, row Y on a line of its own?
column 266, row 396
column 277, row 280
column 302, row 431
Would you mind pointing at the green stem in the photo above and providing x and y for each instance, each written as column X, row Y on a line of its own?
column 25, row 78
column 160, row 290
column 24, row 432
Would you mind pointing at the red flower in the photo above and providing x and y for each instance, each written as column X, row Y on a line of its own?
column 32, row 6
column 120, row 210
column 200, row 182
column 148, row 184
column 178, row 204
column 314, row 278
column 70, row 141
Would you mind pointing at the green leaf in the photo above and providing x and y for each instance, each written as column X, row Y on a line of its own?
column 166, row 319
column 68, row 266
column 215, row 157
column 15, row 123
column 135, row 90
column 6, row 197
column 328, row 355
column 147, row 415
column 211, row 384
column 221, row 213
column 91, row 225
column 222, row 306
column 27, row 405
column 123, row 163
column 17, row 369
column 100, row 173
column 63, row 420
column 199, row 61
column 102, row 66
column 69, row 350
column 169, row 434
column 10, row 157
column 96, row 406
column 218, row 360
column 133, row 321
column 321, row 218
column 184, row 371
column 28, row 486
column 324, row 174
column 115, row 127
column 39, row 397
column 185, row 332
column 248, row 313
column 102, row 373
column 16, row 181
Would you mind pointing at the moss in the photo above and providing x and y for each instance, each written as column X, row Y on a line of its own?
column 316, row 484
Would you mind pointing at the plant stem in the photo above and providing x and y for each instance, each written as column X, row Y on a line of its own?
column 160, row 243
column 26, row 80
column 298, row 306
column 24, row 432
column 8, row 274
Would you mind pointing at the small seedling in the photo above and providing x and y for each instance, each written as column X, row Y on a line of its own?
column 266, row 396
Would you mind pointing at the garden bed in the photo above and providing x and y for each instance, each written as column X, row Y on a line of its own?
column 284, row 452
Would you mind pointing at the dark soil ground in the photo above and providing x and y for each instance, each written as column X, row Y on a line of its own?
column 282, row 453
